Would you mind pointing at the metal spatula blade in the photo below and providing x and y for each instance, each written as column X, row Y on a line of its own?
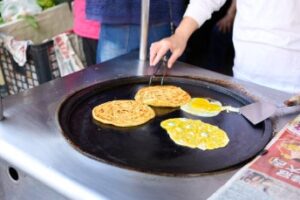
column 258, row 111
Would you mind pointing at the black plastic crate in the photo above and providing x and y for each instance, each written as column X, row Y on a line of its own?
column 41, row 66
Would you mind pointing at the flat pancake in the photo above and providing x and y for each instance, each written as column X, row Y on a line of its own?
column 123, row 113
column 195, row 133
column 163, row 96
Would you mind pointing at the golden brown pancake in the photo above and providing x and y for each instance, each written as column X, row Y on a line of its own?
column 123, row 113
column 162, row 96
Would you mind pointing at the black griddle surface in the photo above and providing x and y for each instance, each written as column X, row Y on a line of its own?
column 148, row 147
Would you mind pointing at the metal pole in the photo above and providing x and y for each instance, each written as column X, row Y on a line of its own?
column 144, row 29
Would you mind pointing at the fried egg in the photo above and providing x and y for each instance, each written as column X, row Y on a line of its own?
column 203, row 107
column 195, row 133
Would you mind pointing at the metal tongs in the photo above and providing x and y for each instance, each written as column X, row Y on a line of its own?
column 162, row 64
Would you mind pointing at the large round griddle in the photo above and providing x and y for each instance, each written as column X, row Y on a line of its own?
column 148, row 147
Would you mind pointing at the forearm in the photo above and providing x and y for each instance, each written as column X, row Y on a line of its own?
column 196, row 13
column 186, row 27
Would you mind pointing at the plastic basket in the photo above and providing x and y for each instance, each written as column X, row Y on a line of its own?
column 41, row 66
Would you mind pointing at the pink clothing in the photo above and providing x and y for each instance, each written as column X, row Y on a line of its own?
column 82, row 26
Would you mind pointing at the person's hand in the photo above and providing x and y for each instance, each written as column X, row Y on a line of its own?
column 176, row 44
column 293, row 101
column 225, row 24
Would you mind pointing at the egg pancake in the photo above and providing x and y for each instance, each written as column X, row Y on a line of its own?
column 195, row 133
column 123, row 113
column 162, row 96
column 203, row 107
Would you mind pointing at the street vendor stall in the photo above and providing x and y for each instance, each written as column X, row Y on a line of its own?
column 34, row 147
column 50, row 147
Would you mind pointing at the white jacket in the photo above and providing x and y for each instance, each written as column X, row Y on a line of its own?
column 266, row 38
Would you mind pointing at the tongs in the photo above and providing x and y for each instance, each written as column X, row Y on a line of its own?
column 162, row 64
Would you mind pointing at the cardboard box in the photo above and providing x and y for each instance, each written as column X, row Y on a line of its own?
column 52, row 22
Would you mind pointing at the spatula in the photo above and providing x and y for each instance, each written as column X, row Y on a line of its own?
column 259, row 111
column 254, row 112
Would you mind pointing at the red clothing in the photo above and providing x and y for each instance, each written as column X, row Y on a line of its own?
column 82, row 26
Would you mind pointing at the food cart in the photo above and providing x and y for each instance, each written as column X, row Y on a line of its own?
column 46, row 154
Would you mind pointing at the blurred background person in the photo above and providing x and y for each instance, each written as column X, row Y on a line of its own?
column 120, row 23
column 221, row 51
column 211, row 45
column 87, row 29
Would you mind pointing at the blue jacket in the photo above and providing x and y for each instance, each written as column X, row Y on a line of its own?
column 129, row 11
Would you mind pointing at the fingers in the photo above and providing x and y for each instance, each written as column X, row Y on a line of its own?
column 221, row 29
column 157, row 51
column 225, row 29
column 228, row 28
column 175, row 55
column 153, row 51
column 225, row 25
column 221, row 26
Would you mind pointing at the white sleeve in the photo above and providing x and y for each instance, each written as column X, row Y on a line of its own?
column 201, row 10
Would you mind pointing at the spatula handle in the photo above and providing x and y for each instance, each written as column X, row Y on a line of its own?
column 230, row 109
column 287, row 110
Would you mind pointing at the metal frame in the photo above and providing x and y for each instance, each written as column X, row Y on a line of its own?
column 144, row 29
column 31, row 140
